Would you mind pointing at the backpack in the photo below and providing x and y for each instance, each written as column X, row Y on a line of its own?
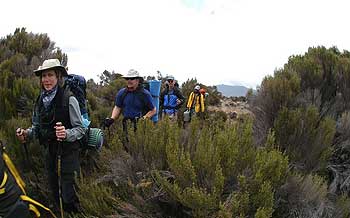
column 77, row 85
column 13, row 196
column 146, row 85
column 93, row 138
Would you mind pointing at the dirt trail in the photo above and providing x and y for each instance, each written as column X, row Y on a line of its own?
column 231, row 106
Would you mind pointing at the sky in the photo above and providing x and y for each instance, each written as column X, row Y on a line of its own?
column 233, row 42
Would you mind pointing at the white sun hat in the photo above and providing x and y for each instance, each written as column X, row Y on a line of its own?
column 132, row 74
column 51, row 64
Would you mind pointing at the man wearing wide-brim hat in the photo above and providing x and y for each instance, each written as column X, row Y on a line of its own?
column 133, row 101
column 58, row 125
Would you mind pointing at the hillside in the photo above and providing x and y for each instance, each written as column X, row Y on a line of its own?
column 233, row 107
column 228, row 90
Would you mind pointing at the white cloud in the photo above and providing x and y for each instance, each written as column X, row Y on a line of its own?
column 216, row 41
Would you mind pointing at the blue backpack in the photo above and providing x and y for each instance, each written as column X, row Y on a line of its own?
column 94, row 136
column 77, row 85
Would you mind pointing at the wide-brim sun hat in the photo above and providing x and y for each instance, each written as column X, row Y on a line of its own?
column 51, row 64
column 170, row 77
column 132, row 74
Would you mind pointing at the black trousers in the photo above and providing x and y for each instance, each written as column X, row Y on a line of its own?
column 70, row 170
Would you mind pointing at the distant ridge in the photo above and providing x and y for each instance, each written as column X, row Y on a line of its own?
column 228, row 90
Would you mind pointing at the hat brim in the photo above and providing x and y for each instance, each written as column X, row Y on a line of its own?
column 61, row 68
column 140, row 77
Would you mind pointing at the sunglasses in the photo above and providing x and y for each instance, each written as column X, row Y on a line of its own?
column 170, row 80
column 131, row 78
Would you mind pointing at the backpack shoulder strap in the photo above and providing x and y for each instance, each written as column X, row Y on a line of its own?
column 142, row 96
column 37, row 104
column 163, row 94
column 124, row 94
column 67, row 93
column 11, row 167
column 141, row 93
column 178, row 93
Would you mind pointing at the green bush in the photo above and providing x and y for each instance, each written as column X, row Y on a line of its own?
column 305, row 137
column 304, row 196
column 212, row 164
column 97, row 199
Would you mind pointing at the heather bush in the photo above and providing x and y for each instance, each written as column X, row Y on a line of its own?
column 305, row 137
column 224, row 173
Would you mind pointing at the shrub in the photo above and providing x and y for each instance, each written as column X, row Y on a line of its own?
column 305, row 137
column 206, row 173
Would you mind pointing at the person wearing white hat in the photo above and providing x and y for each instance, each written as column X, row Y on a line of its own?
column 57, row 123
column 195, row 103
column 133, row 101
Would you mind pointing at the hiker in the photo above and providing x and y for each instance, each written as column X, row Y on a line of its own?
column 57, row 123
column 171, row 99
column 14, row 201
column 195, row 103
column 10, row 203
column 133, row 101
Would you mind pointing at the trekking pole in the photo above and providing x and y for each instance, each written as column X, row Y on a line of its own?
column 59, row 171
column 103, row 125
column 24, row 145
column 29, row 162
column 2, row 146
column 109, row 135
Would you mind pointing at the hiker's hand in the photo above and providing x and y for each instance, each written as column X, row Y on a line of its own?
column 141, row 118
column 178, row 101
column 108, row 122
column 21, row 134
column 60, row 131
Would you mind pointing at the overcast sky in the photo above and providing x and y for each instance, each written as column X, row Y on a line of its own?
column 216, row 41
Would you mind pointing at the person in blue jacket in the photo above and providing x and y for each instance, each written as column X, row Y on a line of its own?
column 171, row 99
column 133, row 101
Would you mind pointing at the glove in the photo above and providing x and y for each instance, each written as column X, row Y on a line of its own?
column 108, row 122
column 140, row 118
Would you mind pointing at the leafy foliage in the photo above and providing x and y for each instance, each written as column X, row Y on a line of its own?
column 206, row 171
column 306, row 104
column 20, row 54
column 305, row 137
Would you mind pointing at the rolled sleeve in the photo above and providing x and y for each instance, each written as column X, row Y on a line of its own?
column 77, row 131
